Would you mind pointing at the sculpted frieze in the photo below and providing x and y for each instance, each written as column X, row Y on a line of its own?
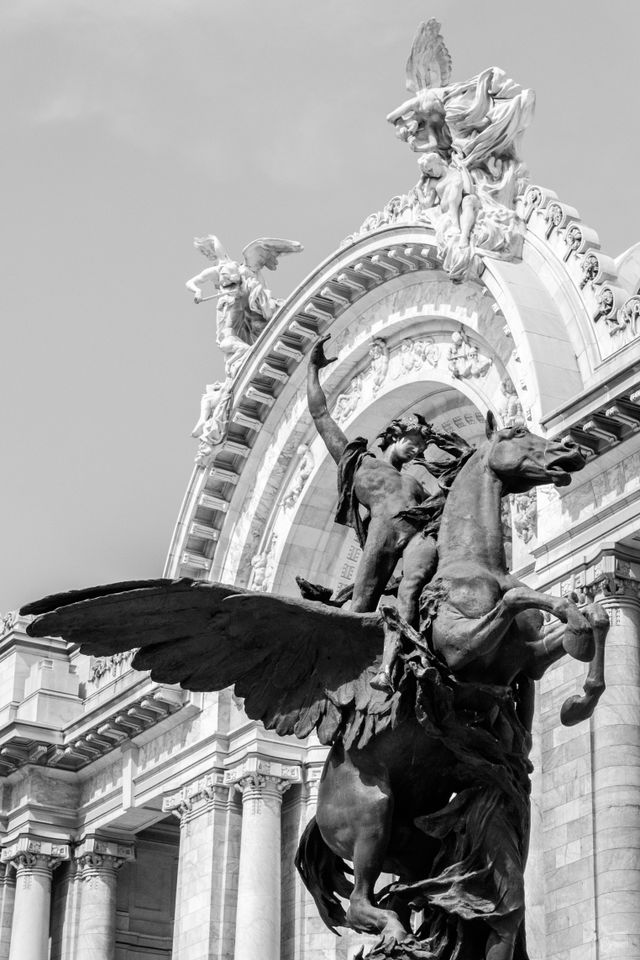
column 303, row 471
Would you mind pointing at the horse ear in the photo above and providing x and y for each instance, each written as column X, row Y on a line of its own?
column 490, row 425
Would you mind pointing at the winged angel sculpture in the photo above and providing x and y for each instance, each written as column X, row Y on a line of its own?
column 427, row 779
column 244, row 304
column 468, row 136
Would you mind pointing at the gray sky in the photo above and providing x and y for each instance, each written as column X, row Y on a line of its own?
column 133, row 125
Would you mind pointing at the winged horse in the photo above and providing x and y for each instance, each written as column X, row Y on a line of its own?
column 429, row 782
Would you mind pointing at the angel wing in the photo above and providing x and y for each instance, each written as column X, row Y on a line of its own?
column 266, row 251
column 429, row 63
column 298, row 664
column 211, row 247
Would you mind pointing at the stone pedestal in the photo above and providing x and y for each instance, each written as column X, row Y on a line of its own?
column 30, row 925
column 204, row 920
column 258, row 914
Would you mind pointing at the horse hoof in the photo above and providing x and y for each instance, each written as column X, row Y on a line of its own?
column 575, row 710
column 580, row 645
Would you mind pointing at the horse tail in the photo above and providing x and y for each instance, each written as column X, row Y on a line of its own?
column 324, row 874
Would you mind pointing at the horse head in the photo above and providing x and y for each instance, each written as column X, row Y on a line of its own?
column 523, row 460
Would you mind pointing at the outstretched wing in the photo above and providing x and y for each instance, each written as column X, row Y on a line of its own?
column 211, row 247
column 429, row 63
column 266, row 251
column 299, row 665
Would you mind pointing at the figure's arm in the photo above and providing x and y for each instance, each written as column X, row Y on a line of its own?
column 195, row 284
column 334, row 439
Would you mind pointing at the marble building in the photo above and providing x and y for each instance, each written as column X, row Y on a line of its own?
column 142, row 822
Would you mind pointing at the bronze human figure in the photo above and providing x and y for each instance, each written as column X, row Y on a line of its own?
column 401, row 516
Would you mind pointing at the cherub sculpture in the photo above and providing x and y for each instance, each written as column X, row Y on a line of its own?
column 244, row 304
column 468, row 136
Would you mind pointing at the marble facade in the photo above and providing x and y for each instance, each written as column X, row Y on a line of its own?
column 139, row 820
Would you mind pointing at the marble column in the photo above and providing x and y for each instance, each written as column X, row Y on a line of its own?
column 7, row 899
column 65, row 906
column 98, row 862
column 32, row 907
column 204, row 919
column 258, row 913
column 615, row 737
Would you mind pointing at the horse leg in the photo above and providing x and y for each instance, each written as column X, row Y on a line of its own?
column 578, row 640
column 575, row 709
column 355, row 806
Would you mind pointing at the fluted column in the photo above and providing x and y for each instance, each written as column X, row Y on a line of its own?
column 98, row 861
column 34, row 861
column 615, row 734
column 258, row 914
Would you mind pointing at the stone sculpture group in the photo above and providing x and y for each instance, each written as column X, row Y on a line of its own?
column 244, row 306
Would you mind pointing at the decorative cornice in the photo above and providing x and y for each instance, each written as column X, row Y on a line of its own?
column 74, row 752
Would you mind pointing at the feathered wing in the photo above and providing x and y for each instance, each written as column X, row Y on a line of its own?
column 266, row 252
column 429, row 63
column 299, row 665
column 212, row 248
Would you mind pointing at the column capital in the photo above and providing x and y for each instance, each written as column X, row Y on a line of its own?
column 35, row 854
column 206, row 793
column 259, row 775
column 100, row 855
column 254, row 786
column 312, row 776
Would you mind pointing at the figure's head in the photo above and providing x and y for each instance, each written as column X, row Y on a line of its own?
column 523, row 460
column 409, row 436
column 377, row 349
column 432, row 165
column 229, row 276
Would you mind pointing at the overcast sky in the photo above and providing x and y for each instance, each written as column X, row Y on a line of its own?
column 132, row 125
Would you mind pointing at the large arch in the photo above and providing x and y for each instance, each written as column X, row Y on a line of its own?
column 529, row 321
